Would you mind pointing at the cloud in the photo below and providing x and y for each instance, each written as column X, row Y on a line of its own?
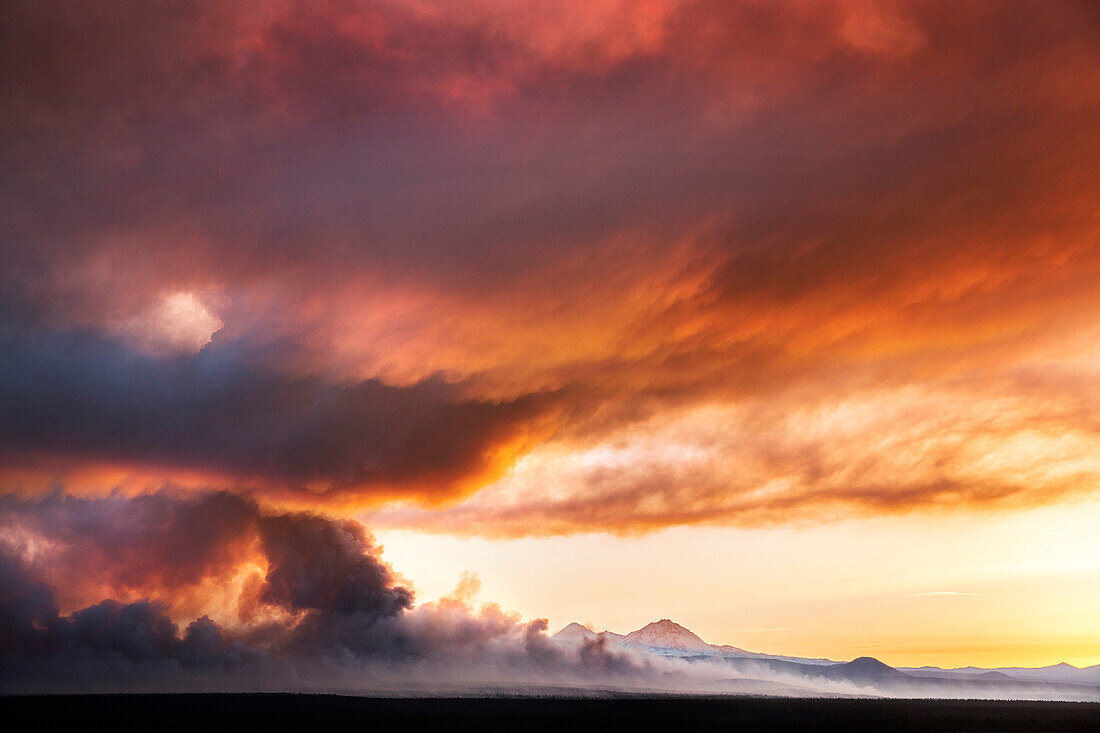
column 433, row 240
column 76, row 398
column 180, row 322
column 754, row 462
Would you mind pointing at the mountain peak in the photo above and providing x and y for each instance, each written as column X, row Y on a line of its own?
column 869, row 663
column 665, row 633
column 574, row 632
column 868, row 667
column 576, row 627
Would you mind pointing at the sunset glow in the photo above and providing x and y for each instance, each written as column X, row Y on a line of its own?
column 777, row 318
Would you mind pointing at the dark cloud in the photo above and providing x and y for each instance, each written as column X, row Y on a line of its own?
column 27, row 609
column 84, row 398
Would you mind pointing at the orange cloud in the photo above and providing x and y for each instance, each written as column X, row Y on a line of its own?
column 613, row 265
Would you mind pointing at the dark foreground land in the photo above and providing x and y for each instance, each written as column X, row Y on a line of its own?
column 202, row 713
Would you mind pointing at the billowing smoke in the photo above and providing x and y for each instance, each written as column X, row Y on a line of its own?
column 307, row 603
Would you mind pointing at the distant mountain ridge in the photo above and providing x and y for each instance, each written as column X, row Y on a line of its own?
column 1061, row 672
column 666, row 638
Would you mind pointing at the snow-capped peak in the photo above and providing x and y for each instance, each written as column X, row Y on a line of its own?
column 665, row 633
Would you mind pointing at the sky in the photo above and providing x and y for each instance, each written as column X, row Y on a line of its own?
column 778, row 318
